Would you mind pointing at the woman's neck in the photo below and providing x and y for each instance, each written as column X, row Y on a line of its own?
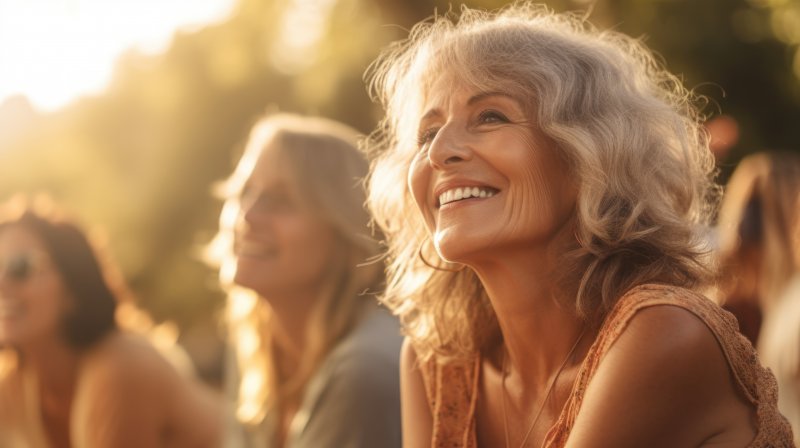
column 288, row 329
column 537, row 326
column 54, row 366
column 54, row 363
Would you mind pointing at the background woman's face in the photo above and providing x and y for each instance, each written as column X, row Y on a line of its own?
column 33, row 298
column 485, row 178
column 281, row 247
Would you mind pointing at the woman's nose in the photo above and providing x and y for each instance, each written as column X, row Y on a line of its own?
column 450, row 146
column 252, row 213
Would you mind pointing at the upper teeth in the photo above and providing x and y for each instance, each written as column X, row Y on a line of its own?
column 457, row 194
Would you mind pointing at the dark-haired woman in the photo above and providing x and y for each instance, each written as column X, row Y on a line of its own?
column 69, row 377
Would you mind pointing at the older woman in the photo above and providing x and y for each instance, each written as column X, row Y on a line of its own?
column 561, row 177
column 316, row 357
column 69, row 376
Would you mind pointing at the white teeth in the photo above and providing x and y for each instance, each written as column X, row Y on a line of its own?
column 457, row 194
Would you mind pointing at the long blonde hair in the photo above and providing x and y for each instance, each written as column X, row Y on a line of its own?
column 322, row 159
column 628, row 129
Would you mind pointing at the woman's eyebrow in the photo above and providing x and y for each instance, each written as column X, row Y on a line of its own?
column 429, row 114
column 484, row 95
column 472, row 100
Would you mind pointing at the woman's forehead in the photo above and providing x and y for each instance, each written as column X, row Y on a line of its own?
column 451, row 87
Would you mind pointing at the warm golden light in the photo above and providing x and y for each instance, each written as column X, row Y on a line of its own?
column 53, row 51
column 303, row 25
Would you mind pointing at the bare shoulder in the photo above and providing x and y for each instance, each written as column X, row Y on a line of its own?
column 127, row 383
column 416, row 413
column 666, row 370
column 408, row 356
column 127, row 357
column 124, row 367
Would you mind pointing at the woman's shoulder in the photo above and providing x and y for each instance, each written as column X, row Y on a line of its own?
column 122, row 350
column 364, row 365
column 127, row 384
column 358, row 381
column 123, row 362
column 668, row 324
column 651, row 294
column 676, row 325
column 669, row 356
column 683, row 310
column 373, row 344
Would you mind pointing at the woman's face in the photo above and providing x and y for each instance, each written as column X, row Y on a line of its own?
column 32, row 294
column 281, row 247
column 485, row 179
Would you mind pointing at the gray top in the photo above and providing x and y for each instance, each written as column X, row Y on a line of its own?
column 353, row 400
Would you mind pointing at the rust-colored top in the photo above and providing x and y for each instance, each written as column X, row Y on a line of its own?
column 452, row 388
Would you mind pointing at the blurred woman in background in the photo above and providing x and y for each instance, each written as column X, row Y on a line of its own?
column 69, row 376
column 759, row 256
column 317, row 358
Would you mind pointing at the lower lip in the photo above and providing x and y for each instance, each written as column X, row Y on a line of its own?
column 464, row 203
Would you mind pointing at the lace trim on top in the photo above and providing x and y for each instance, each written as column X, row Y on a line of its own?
column 452, row 388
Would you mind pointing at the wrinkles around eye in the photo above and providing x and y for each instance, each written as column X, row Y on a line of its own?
column 492, row 117
column 426, row 136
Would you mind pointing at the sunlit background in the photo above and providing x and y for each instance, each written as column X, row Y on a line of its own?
column 128, row 111
column 53, row 51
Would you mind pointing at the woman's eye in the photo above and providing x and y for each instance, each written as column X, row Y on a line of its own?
column 492, row 116
column 426, row 136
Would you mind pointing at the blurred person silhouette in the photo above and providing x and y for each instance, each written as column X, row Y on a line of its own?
column 316, row 357
column 70, row 375
column 545, row 190
column 759, row 257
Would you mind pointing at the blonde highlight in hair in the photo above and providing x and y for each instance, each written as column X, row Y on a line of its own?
column 323, row 162
column 627, row 128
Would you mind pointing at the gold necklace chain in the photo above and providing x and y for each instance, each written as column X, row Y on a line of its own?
column 546, row 395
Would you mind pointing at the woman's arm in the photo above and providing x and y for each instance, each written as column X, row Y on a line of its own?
column 664, row 383
column 416, row 412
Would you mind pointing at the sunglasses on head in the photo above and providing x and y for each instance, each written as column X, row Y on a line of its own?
column 21, row 266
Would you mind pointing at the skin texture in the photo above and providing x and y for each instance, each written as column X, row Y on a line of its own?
column 512, row 241
column 473, row 138
column 120, row 392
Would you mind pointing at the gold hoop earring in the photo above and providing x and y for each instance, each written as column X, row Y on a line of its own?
column 431, row 265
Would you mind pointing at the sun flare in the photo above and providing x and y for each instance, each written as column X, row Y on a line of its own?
column 53, row 51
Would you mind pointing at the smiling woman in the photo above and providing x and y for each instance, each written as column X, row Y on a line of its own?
column 567, row 174
column 69, row 375
column 316, row 360
column 81, row 40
